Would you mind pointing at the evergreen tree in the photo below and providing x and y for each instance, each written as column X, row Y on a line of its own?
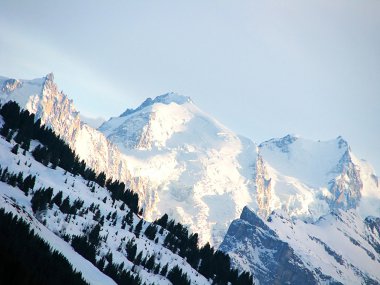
column 101, row 179
column 176, row 276
column 58, row 199
column 131, row 249
column 138, row 258
column 151, row 231
column 4, row 131
column 157, row 269
column 15, row 149
column 164, row 270
column 93, row 236
column 65, row 206
column 87, row 250
column 162, row 221
column 41, row 198
column 150, row 263
column 129, row 218
column 138, row 228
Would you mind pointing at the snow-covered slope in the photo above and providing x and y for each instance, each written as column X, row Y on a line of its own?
column 340, row 248
column 184, row 162
column 308, row 179
column 95, row 207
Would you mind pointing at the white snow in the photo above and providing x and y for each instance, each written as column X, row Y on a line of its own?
column 336, row 232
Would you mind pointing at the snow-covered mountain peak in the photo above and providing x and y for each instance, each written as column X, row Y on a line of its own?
column 294, row 156
column 172, row 97
column 166, row 99
column 192, row 164
column 311, row 178
column 168, row 121
column 50, row 76
column 292, row 141
column 342, row 143
column 280, row 143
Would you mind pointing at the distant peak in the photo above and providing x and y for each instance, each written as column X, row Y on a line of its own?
column 10, row 85
column 50, row 76
column 172, row 98
column 282, row 142
column 166, row 99
column 342, row 143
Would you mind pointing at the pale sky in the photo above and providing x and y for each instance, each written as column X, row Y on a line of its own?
column 264, row 68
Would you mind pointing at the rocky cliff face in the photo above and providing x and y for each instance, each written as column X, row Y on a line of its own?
column 263, row 188
column 251, row 243
column 57, row 111
column 337, row 249
column 347, row 185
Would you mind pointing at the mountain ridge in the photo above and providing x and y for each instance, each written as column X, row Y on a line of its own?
column 185, row 162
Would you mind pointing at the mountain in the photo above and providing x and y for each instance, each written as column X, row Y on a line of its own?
column 193, row 164
column 91, row 221
column 339, row 248
column 184, row 162
column 308, row 179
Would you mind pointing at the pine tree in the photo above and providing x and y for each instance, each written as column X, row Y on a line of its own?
column 65, row 206
column 4, row 131
column 138, row 259
column 162, row 221
column 151, row 231
column 129, row 218
column 97, row 215
column 15, row 149
column 157, row 269
column 58, row 199
column 164, row 270
column 93, row 236
column 138, row 228
column 150, row 263
column 131, row 250
column 176, row 276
